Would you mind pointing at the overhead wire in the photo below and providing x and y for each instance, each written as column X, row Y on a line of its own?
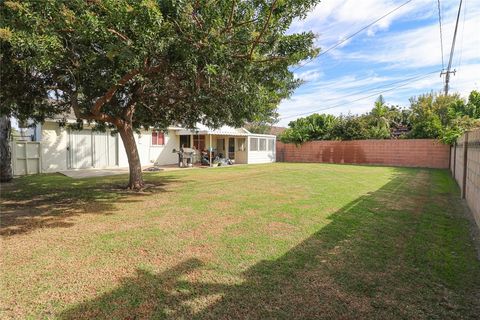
column 354, row 34
column 411, row 77
column 408, row 81
column 441, row 33
column 459, row 61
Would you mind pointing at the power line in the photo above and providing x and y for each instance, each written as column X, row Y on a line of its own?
column 354, row 34
column 459, row 61
column 448, row 72
column 409, row 80
column 441, row 34
column 413, row 77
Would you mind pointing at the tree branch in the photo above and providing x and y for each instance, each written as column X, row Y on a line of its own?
column 264, row 28
column 121, row 36
column 269, row 59
column 98, row 117
column 230, row 18
column 108, row 96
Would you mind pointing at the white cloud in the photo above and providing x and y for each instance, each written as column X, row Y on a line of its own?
column 420, row 47
column 344, row 95
column 310, row 75
column 333, row 21
column 380, row 56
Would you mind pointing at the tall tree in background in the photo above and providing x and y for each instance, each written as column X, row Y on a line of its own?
column 379, row 120
column 314, row 127
column 263, row 124
column 428, row 116
column 443, row 117
column 128, row 64
column 6, row 173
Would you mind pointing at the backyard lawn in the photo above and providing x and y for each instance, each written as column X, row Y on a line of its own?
column 261, row 241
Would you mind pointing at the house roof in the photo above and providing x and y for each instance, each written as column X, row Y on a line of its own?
column 222, row 131
column 277, row 130
column 200, row 128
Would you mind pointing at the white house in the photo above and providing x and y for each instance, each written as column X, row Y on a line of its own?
column 63, row 149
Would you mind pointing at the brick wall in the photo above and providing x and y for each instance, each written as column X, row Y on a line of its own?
column 406, row 153
column 468, row 179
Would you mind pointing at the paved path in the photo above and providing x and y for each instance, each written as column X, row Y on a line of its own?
column 88, row 173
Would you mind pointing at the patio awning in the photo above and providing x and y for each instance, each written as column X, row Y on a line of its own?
column 222, row 131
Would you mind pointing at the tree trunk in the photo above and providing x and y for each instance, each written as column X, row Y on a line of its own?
column 136, row 178
column 6, row 173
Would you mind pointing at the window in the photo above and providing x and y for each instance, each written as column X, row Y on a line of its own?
column 263, row 145
column 254, row 144
column 199, row 142
column 158, row 138
column 185, row 141
column 241, row 144
column 271, row 144
column 220, row 146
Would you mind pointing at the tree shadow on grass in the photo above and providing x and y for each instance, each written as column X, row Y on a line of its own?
column 50, row 200
column 398, row 252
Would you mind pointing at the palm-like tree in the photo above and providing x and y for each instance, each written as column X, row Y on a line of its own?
column 380, row 118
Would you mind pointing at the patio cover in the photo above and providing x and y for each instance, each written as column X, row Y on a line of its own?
column 222, row 131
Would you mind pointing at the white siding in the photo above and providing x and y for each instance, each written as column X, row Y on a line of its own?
column 105, row 150
column 266, row 156
column 55, row 156
column 54, row 147
column 151, row 154
column 81, row 149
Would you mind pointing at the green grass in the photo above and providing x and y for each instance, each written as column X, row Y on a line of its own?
column 276, row 241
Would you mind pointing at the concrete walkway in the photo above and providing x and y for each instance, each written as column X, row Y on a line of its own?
column 90, row 173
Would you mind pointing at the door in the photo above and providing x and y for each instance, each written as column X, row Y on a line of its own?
column 89, row 149
column 199, row 142
column 231, row 148
column 112, row 150
column 80, row 149
column 104, row 150
column 221, row 147
column 100, row 150
column 241, row 151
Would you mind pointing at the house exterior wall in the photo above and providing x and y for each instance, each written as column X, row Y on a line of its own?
column 151, row 154
column 55, row 142
column 54, row 147
column 266, row 156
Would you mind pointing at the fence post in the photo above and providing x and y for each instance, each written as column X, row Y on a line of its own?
column 465, row 155
column 454, row 158
column 13, row 156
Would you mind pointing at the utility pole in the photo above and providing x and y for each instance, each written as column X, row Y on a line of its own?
column 448, row 72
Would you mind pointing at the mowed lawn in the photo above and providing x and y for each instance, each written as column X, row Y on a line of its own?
column 279, row 241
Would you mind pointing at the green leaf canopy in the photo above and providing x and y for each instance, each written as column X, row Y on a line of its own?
column 150, row 63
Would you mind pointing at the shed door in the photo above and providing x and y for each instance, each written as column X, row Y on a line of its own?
column 80, row 149
column 92, row 149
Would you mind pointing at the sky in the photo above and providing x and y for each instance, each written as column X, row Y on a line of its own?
column 402, row 49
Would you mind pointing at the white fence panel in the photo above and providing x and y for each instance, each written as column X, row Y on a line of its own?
column 26, row 157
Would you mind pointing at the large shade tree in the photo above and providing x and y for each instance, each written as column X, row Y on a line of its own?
column 128, row 64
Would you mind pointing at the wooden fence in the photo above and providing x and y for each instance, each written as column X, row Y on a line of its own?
column 26, row 157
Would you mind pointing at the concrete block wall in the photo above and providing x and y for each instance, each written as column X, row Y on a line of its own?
column 458, row 161
column 468, row 180
column 427, row 153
